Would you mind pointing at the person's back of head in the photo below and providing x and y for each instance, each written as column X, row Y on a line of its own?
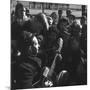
column 42, row 18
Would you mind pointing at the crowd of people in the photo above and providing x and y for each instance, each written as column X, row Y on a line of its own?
column 47, row 50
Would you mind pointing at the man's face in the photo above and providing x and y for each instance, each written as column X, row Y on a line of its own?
column 68, row 13
column 82, row 21
column 59, row 13
column 21, row 12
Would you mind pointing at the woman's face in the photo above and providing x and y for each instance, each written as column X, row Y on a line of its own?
column 36, row 44
column 82, row 21
column 34, row 48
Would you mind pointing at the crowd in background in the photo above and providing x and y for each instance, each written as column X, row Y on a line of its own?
column 35, row 40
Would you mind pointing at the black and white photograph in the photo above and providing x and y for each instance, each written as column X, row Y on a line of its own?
column 48, row 44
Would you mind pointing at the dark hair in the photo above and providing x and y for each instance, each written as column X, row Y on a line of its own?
column 41, row 19
column 59, row 11
column 73, row 17
column 68, row 11
column 18, row 6
column 53, row 14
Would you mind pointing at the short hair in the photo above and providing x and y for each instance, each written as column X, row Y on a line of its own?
column 59, row 11
column 68, row 11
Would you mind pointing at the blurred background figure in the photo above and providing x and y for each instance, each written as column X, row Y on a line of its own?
column 50, row 20
column 69, row 16
column 29, row 16
column 59, row 14
column 84, row 34
column 68, row 13
column 12, row 16
column 54, row 17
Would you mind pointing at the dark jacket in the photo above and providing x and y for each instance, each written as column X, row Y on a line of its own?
column 24, row 67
